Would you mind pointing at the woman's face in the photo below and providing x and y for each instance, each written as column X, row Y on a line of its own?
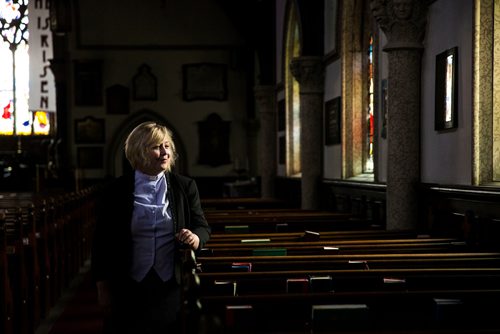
column 159, row 158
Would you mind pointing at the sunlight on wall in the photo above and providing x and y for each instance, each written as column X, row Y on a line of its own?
column 293, row 166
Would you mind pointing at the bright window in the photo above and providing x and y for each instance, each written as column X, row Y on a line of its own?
column 17, row 117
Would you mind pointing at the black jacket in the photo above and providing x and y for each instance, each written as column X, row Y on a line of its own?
column 112, row 239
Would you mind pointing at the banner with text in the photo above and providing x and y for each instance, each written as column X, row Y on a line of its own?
column 42, row 83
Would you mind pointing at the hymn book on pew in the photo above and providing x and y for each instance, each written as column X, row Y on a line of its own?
column 394, row 283
column 447, row 309
column 241, row 266
column 392, row 280
column 239, row 316
column 297, row 285
column 321, row 283
column 362, row 264
column 310, row 236
column 243, row 241
column 330, row 316
column 225, row 288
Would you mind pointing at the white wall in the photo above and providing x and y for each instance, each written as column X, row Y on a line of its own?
column 447, row 155
column 162, row 35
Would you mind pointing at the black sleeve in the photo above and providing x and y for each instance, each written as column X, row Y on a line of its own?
column 198, row 223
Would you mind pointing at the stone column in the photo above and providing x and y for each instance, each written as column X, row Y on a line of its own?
column 309, row 72
column 265, row 100
column 403, row 22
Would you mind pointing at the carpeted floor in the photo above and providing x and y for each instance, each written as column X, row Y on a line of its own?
column 77, row 311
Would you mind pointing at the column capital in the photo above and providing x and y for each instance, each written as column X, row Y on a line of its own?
column 402, row 21
column 309, row 72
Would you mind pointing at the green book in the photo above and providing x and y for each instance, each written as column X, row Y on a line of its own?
column 236, row 229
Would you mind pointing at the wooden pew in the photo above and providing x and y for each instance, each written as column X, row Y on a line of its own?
column 228, row 203
column 277, row 220
column 413, row 291
column 31, row 258
column 272, row 214
column 47, row 239
column 275, row 294
column 25, row 243
column 394, row 281
column 6, row 302
column 64, row 242
column 401, row 280
column 357, row 279
column 56, row 248
column 44, row 257
column 18, row 271
column 309, row 235
column 355, row 261
column 423, row 312
column 70, row 226
column 416, row 245
column 36, row 258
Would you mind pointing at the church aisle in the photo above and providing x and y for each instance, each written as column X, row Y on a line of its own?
column 77, row 311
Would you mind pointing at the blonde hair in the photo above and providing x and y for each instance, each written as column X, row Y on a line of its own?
column 144, row 136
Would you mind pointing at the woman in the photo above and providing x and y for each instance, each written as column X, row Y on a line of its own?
column 144, row 219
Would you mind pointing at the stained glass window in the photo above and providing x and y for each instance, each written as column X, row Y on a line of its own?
column 370, row 126
column 19, row 115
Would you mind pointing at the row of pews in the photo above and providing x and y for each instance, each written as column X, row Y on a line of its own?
column 277, row 269
column 44, row 241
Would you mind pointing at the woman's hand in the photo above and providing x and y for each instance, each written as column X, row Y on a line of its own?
column 187, row 237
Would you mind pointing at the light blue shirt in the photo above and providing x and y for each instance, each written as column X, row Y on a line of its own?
column 152, row 228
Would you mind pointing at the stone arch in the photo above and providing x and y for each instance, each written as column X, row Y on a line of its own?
column 311, row 17
column 116, row 162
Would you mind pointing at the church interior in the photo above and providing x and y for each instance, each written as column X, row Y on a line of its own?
column 346, row 152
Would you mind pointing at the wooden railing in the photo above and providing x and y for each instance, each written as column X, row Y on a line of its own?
column 45, row 240
column 471, row 213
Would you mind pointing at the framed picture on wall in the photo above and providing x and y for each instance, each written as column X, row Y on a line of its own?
column 144, row 84
column 281, row 115
column 204, row 81
column 332, row 121
column 89, row 130
column 446, row 90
